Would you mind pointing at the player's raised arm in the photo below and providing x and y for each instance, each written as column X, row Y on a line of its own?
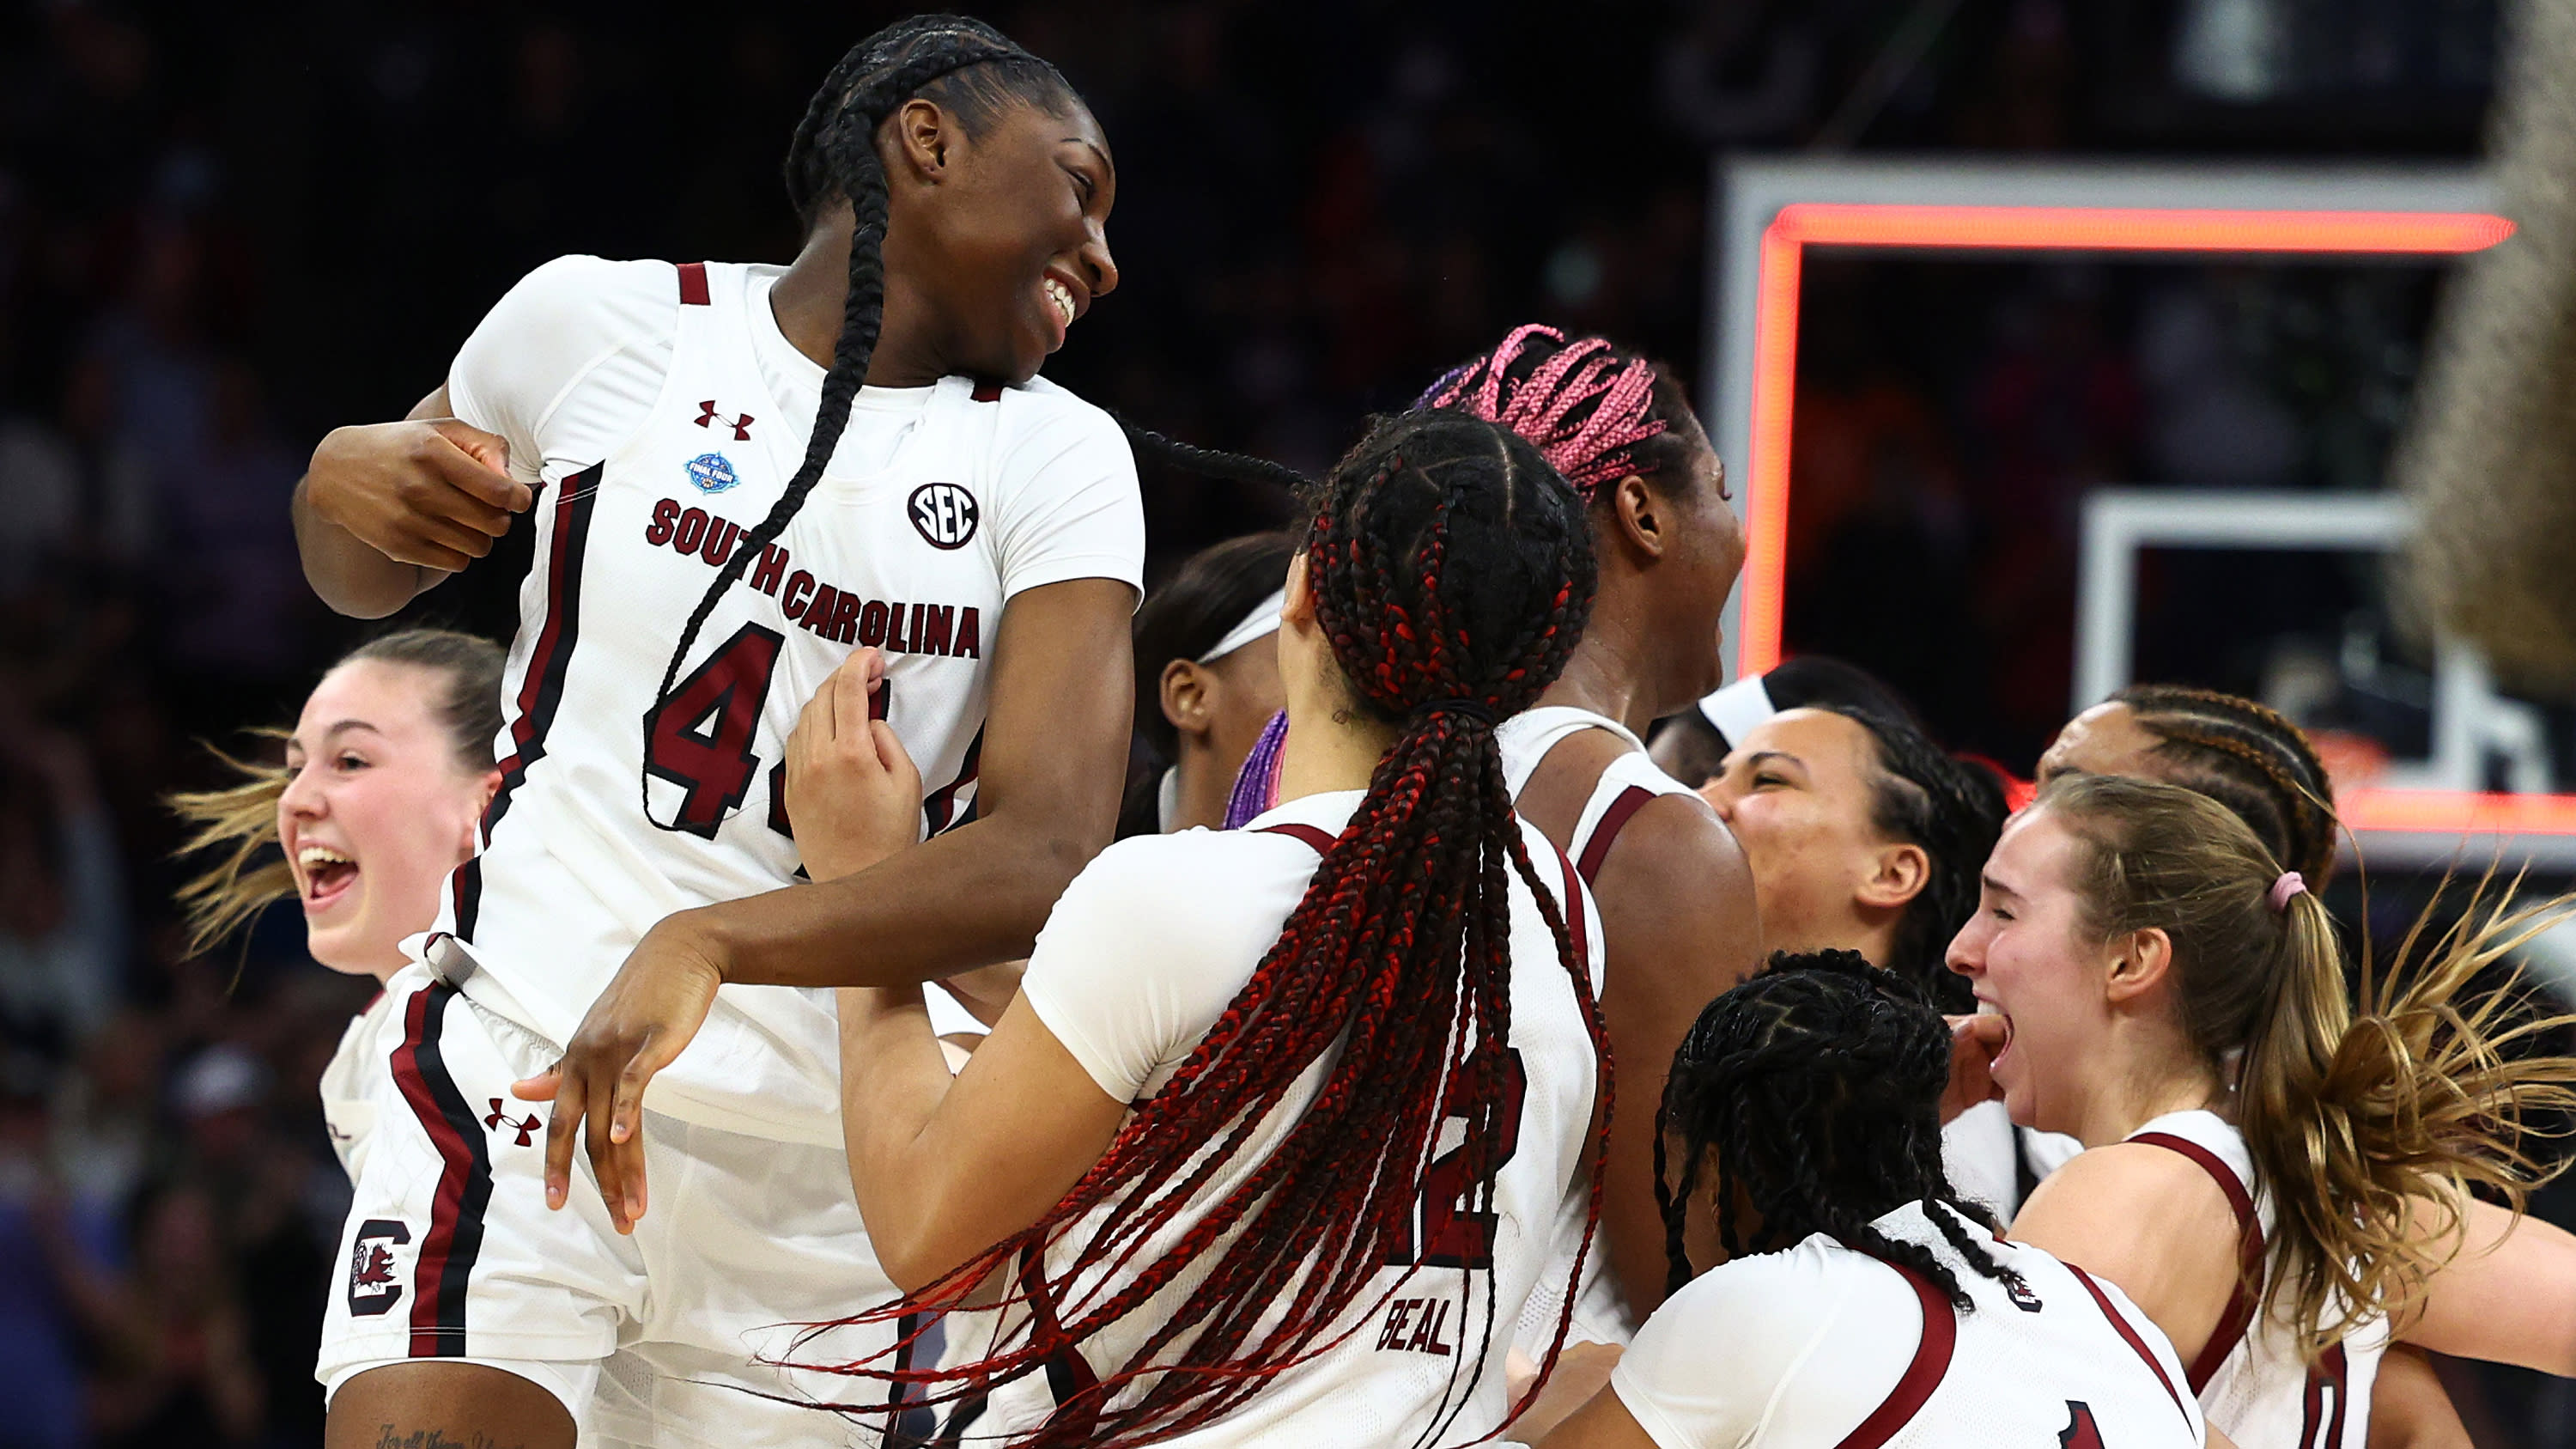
column 388, row 510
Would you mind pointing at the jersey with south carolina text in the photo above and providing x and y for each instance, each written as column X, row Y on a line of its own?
column 1823, row 1346
column 1144, row 953
column 659, row 412
column 2259, row 1389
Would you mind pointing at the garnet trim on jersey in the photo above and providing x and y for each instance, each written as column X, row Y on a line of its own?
column 941, row 804
column 2129, row 1335
column 448, row 1250
column 693, row 285
column 2242, row 1303
column 2327, row 1393
column 541, row 689
column 1922, row 1376
column 1613, row 820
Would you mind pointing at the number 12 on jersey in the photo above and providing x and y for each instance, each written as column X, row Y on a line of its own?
column 1454, row 1233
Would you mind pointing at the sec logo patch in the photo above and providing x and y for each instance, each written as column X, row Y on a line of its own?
column 711, row 473
column 944, row 514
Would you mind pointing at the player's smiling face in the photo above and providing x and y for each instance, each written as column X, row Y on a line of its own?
column 377, row 810
column 2027, row 954
column 1015, row 237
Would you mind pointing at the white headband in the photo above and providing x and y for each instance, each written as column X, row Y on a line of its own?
column 1736, row 709
column 1264, row 619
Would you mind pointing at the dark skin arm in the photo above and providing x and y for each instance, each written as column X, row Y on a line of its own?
column 1676, row 899
column 387, row 511
column 1054, row 750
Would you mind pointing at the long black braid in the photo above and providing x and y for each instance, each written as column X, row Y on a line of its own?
column 974, row 71
column 1816, row 1088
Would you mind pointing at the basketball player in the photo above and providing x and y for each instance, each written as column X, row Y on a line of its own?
column 2173, row 998
column 1674, row 890
column 1207, row 680
column 1287, row 1120
column 387, row 772
column 739, row 474
column 1862, row 1302
column 2249, row 758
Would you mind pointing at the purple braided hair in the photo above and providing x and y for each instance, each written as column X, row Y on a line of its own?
column 1256, row 785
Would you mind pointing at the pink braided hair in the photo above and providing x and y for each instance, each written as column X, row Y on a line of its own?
column 1593, row 448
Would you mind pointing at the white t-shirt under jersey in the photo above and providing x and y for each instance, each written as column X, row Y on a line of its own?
column 1145, row 951
column 1823, row 1346
column 660, row 412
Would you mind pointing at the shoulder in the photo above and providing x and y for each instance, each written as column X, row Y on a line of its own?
column 1038, row 413
column 2136, row 1213
column 1196, row 886
column 595, row 295
column 1724, row 1347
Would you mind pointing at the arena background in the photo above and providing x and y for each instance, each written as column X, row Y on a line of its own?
column 226, row 228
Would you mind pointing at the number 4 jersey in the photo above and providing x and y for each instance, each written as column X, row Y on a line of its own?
column 659, row 412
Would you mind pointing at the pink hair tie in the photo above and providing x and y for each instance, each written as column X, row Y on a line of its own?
column 2290, row 884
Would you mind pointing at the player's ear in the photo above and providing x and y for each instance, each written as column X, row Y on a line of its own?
column 1184, row 696
column 1297, row 598
column 1639, row 513
column 922, row 134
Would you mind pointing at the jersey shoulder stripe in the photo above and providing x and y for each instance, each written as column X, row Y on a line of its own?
column 1924, row 1374
column 2129, row 1335
column 1597, row 849
column 2241, row 1304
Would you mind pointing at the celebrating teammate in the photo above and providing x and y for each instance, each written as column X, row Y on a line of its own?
column 1207, row 680
column 1862, row 1301
column 2251, row 759
column 741, row 474
column 387, row 772
column 1287, row 1121
column 2278, row 1181
column 1673, row 887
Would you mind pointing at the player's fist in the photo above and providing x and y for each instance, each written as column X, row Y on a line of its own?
column 431, row 493
column 1974, row 1041
column 853, row 794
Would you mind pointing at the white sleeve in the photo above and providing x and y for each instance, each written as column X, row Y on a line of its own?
column 1141, row 955
column 1066, row 481
column 576, row 320
column 1725, row 1357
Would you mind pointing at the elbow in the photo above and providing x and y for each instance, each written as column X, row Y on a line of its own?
column 916, row 1261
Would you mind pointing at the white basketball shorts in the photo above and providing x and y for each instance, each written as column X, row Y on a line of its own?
column 666, row 1337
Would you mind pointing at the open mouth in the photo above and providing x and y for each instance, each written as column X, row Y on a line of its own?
column 328, row 875
column 2005, row 1050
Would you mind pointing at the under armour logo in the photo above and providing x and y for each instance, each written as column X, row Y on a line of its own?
column 741, row 424
column 498, row 1119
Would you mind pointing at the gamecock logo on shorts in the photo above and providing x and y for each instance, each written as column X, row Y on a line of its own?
column 372, row 1288
column 944, row 514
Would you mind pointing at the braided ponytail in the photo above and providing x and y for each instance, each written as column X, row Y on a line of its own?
column 835, row 150
column 1452, row 574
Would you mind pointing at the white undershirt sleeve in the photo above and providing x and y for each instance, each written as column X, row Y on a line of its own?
column 1760, row 1341
column 576, row 320
column 1065, row 485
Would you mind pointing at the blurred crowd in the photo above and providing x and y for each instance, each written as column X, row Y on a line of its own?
column 225, row 228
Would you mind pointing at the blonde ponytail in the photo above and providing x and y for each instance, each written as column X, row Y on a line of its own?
column 2366, row 1128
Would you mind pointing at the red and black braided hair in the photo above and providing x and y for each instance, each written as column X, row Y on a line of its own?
column 1596, row 410
column 1452, row 573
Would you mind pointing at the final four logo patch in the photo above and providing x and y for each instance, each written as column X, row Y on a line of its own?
column 711, row 473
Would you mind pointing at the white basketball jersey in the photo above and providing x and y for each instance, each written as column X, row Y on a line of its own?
column 613, row 814
column 1144, row 953
column 1826, row 1347
column 2258, row 1388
